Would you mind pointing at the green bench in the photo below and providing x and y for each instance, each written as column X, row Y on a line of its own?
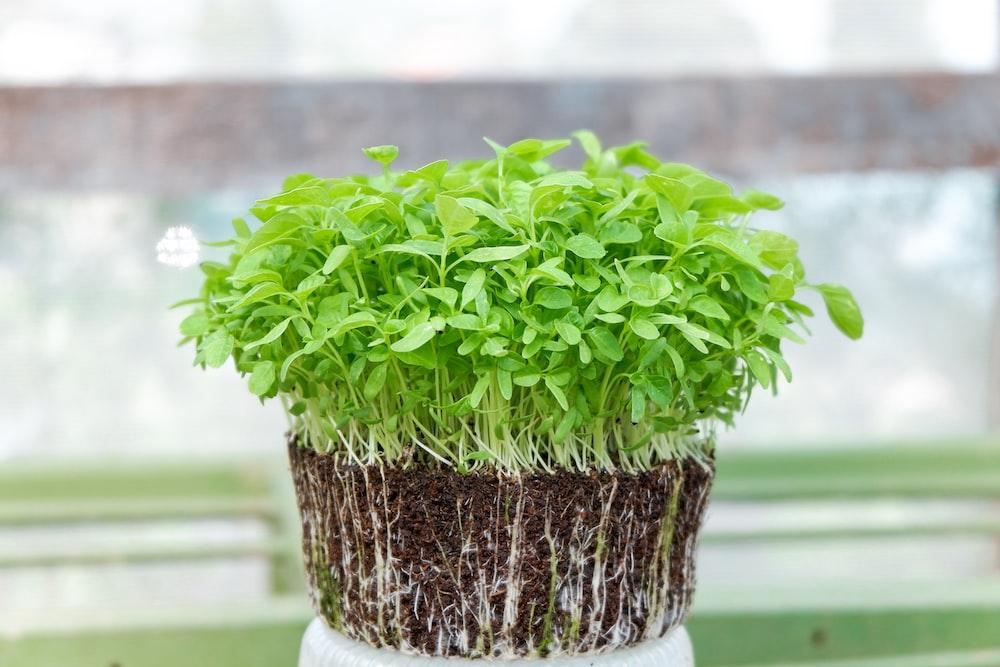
column 954, row 623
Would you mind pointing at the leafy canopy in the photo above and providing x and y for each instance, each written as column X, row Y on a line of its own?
column 503, row 312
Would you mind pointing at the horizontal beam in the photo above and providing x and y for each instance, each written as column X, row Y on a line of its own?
column 197, row 137
column 122, row 554
column 947, row 469
column 37, row 512
column 137, row 479
column 948, row 527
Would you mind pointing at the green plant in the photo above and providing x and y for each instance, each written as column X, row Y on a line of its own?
column 503, row 312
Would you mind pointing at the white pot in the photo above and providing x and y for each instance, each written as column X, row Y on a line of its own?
column 323, row 647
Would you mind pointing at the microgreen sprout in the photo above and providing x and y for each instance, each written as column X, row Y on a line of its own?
column 502, row 312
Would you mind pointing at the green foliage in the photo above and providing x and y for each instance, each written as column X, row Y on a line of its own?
column 503, row 312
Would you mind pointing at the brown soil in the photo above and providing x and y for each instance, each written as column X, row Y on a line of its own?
column 485, row 564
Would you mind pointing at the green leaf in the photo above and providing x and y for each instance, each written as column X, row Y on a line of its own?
column 417, row 336
column 287, row 363
column 638, row 404
column 590, row 144
column 375, row 381
column 455, row 218
column 488, row 211
column 780, row 287
column 432, row 172
column 565, row 426
column 678, row 193
column 445, row 295
column 750, row 284
column 643, row 328
column 673, row 231
column 303, row 194
column 759, row 367
column 527, row 379
column 217, row 347
column 652, row 352
column 757, row 199
column 473, row 287
column 279, row 228
column 569, row 333
column 258, row 293
column 677, row 361
column 241, row 228
column 720, row 207
column 532, row 150
column 549, row 270
column 505, row 383
column 568, row 179
column 355, row 321
column 422, row 248
column 383, row 154
column 843, row 309
column 585, row 246
column 242, row 279
column 775, row 249
column 696, row 342
column 557, row 392
column 309, row 283
column 261, row 378
column 588, row 283
column 770, row 325
column 478, row 391
column 701, row 333
column 274, row 334
column 496, row 254
column 734, row 247
column 708, row 307
column 610, row 300
column 606, row 344
column 617, row 231
column 553, row 298
column 779, row 362
column 335, row 259
column 195, row 324
column 465, row 321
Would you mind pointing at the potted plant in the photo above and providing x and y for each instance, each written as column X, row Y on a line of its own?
column 504, row 379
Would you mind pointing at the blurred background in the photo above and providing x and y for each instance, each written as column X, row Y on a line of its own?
column 136, row 490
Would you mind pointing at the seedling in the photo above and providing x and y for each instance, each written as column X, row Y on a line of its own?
column 502, row 313
column 504, row 380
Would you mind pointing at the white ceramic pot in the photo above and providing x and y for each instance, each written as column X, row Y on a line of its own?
column 323, row 647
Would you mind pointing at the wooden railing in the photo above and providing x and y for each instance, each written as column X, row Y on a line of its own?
column 199, row 137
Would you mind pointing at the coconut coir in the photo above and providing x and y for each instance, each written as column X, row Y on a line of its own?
column 436, row 562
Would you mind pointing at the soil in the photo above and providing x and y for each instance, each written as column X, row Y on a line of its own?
column 436, row 562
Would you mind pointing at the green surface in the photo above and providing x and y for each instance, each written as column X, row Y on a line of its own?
column 247, row 636
column 135, row 478
column 977, row 658
column 803, row 635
